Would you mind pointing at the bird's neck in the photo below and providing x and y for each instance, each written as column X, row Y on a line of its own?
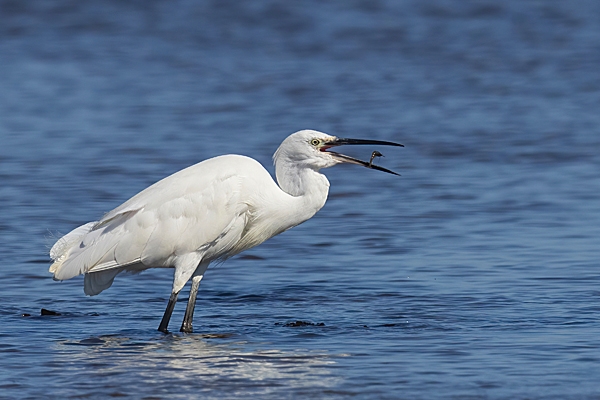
column 301, row 193
column 308, row 186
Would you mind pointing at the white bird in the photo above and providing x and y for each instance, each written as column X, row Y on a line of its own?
column 209, row 211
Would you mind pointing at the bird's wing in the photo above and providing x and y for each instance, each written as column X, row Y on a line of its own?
column 198, row 209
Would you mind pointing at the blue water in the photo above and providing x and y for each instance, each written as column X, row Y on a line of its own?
column 475, row 275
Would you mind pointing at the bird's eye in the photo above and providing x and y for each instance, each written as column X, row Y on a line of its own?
column 315, row 142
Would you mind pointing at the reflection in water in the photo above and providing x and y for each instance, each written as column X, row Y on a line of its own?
column 195, row 362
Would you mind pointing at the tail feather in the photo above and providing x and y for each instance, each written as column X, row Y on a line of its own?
column 62, row 248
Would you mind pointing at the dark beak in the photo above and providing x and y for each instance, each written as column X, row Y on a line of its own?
column 347, row 159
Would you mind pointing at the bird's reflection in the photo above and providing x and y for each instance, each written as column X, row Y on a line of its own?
column 196, row 362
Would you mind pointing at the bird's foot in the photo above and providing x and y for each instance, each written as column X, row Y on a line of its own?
column 186, row 328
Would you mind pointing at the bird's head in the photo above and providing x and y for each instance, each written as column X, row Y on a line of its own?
column 310, row 149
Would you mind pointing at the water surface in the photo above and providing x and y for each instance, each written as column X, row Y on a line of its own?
column 474, row 275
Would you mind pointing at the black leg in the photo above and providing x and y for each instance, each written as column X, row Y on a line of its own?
column 188, row 318
column 164, row 323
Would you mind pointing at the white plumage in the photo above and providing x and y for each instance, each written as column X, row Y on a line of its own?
column 208, row 211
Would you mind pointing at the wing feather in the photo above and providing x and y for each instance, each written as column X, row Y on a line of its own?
column 186, row 212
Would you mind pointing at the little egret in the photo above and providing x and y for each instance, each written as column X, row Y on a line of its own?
column 210, row 211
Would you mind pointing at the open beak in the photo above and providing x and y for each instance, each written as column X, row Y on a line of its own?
column 347, row 159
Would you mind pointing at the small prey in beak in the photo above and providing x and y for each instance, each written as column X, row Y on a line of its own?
column 373, row 155
column 342, row 158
